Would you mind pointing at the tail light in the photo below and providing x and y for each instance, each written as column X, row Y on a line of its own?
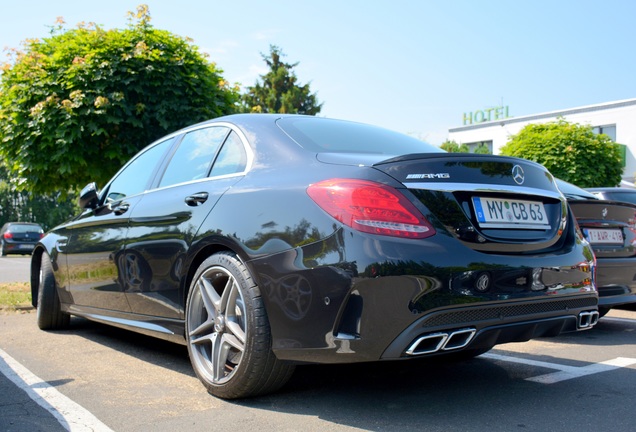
column 370, row 207
column 8, row 235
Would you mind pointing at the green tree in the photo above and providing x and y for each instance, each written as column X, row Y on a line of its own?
column 570, row 151
column 453, row 147
column 279, row 91
column 48, row 210
column 78, row 104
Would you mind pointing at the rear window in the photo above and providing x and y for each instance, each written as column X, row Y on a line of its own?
column 629, row 197
column 337, row 136
column 24, row 228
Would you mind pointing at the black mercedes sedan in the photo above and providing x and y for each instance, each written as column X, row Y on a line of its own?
column 262, row 241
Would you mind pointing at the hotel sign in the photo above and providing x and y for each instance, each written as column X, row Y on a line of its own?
column 486, row 115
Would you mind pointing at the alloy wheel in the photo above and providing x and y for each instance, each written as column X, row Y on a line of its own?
column 217, row 325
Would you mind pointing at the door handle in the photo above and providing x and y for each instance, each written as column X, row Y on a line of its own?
column 121, row 208
column 196, row 199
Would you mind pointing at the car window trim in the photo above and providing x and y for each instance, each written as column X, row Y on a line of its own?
column 151, row 179
column 178, row 137
column 232, row 128
column 164, row 166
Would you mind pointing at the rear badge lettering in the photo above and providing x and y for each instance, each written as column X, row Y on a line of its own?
column 428, row 176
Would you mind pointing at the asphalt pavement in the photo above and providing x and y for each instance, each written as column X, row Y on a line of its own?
column 130, row 382
column 19, row 411
column 15, row 268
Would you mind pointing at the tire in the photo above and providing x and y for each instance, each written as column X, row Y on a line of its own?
column 49, row 314
column 228, row 333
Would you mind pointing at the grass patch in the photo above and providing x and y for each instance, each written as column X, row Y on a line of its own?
column 15, row 296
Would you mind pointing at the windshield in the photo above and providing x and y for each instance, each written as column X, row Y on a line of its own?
column 337, row 136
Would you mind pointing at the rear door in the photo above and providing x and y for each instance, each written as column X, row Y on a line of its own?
column 207, row 162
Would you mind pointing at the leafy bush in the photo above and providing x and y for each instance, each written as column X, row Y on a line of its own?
column 453, row 147
column 482, row 149
column 571, row 152
column 76, row 105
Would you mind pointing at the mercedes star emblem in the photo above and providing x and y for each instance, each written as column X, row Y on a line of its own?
column 517, row 174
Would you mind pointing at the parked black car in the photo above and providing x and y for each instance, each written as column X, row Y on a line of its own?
column 610, row 227
column 261, row 241
column 19, row 237
column 615, row 194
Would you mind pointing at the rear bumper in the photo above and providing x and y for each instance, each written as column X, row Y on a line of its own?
column 493, row 325
column 616, row 281
column 18, row 248
column 355, row 298
column 455, row 329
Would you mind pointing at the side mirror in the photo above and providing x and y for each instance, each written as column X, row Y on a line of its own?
column 88, row 196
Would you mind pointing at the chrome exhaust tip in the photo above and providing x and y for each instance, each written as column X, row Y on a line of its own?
column 459, row 339
column 427, row 344
column 434, row 342
column 588, row 320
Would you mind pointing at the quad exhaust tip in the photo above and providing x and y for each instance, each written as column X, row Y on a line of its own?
column 588, row 319
column 443, row 341
column 447, row 341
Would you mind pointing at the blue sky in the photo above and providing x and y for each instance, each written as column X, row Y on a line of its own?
column 411, row 66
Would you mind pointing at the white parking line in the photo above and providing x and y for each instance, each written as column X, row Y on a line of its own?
column 70, row 415
column 621, row 320
column 565, row 372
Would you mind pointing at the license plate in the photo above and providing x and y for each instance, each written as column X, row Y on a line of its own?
column 604, row 236
column 510, row 213
column 26, row 246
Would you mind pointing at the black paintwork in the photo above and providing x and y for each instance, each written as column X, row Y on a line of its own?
column 616, row 262
column 332, row 294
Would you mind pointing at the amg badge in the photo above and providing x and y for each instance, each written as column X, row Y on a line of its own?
column 428, row 176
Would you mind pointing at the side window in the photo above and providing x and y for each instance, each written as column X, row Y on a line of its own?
column 134, row 179
column 194, row 156
column 232, row 157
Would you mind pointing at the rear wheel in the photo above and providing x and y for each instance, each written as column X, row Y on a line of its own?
column 228, row 333
column 49, row 314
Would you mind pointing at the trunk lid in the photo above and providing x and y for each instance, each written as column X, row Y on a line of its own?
column 609, row 226
column 490, row 203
